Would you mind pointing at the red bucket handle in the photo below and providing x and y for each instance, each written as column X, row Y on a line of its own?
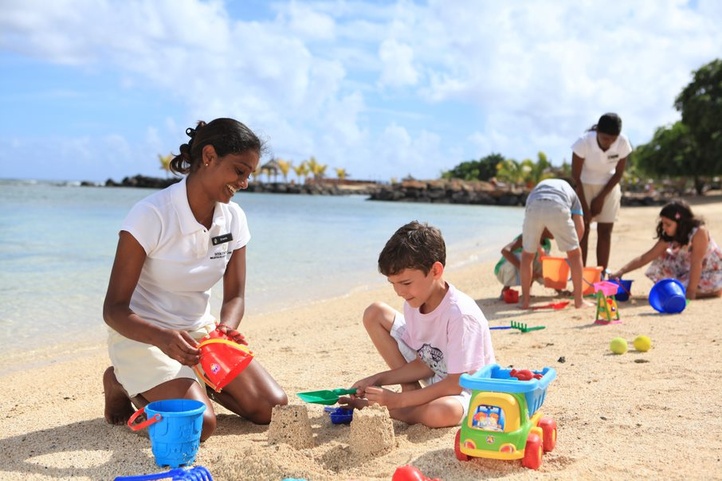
column 137, row 427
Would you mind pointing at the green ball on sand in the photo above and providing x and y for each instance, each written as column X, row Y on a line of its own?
column 642, row 343
column 618, row 345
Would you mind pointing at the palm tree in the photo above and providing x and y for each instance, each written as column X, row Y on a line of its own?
column 284, row 166
column 301, row 171
column 341, row 173
column 165, row 163
column 536, row 172
column 510, row 171
column 316, row 169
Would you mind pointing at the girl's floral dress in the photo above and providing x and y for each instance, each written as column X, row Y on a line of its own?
column 676, row 261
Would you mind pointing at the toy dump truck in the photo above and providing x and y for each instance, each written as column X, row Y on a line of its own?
column 503, row 421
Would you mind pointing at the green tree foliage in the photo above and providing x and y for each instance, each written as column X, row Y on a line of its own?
column 690, row 148
column 701, row 106
column 671, row 152
column 482, row 169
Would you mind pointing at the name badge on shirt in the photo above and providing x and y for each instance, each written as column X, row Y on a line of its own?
column 222, row 239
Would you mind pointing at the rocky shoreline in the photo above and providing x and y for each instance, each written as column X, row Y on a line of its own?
column 423, row 191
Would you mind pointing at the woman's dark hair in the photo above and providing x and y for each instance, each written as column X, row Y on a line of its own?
column 609, row 123
column 680, row 212
column 227, row 136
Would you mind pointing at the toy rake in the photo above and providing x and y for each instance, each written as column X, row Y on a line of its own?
column 196, row 473
column 524, row 328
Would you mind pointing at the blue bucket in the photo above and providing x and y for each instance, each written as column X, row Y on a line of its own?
column 668, row 296
column 174, row 426
column 624, row 290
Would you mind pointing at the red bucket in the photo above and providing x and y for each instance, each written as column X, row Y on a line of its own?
column 221, row 361
column 511, row 296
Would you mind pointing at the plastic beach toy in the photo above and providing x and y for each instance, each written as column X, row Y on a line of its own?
column 511, row 296
column 668, row 296
column 605, row 287
column 339, row 415
column 555, row 271
column 504, row 421
column 327, row 396
column 590, row 276
column 524, row 328
column 624, row 289
column 196, row 473
column 221, row 360
column 552, row 305
column 410, row 473
column 174, row 426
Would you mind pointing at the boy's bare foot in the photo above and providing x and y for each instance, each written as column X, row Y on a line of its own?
column 118, row 407
column 584, row 303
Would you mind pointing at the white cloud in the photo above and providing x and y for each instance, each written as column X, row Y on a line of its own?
column 382, row 90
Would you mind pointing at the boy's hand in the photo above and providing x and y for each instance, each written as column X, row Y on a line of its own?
column 383, row 397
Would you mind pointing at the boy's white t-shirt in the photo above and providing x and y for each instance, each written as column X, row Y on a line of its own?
column 453, row 338
column 184, row 259
column 599, row 165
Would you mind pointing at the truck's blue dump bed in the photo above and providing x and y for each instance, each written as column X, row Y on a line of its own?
column 494, row 378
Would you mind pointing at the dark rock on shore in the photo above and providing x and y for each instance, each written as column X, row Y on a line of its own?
column 428, row 191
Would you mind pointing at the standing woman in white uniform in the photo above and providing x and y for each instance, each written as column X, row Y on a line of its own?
column 598, row 161
column 173, row 246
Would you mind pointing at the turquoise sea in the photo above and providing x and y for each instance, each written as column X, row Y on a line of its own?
column 57, row 242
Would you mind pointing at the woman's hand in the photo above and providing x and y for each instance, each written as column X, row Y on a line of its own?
column 595, row 207
column 179, row 346
column 232, row 334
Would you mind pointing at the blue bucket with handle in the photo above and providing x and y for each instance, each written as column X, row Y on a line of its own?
column 624, row 290
column 668, row 296
column 174, row 427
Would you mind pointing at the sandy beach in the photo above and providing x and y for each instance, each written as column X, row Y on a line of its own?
column 645, row 415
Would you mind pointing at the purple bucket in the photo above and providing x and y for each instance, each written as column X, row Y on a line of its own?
column 668, row 296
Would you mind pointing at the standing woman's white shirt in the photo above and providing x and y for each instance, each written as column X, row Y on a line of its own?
column 599, row 165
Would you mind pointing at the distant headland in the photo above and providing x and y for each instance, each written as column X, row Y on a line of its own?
column 442, row 191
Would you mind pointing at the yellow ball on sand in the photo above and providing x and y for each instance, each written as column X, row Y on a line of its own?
column 642, row 343
column 618, row 345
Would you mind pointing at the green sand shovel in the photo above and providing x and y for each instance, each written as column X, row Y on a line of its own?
column 327, row 396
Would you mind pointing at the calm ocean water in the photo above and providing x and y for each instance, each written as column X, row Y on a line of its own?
column 57, row 244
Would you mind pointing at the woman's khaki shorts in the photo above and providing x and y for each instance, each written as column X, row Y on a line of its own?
column 140, row 367
column 612, row 202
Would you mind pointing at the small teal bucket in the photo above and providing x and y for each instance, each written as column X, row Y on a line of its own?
column 668, row 296
column 174, row 426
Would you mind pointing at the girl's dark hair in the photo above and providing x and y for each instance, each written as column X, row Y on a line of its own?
column 413, row 246
column 227, row 136
column 680, row 212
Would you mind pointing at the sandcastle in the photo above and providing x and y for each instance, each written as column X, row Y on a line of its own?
column 290, row 425
column 372, row 431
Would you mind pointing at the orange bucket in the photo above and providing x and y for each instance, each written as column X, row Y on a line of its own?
column 221, row 361
column 555, row 271
column 591, row 276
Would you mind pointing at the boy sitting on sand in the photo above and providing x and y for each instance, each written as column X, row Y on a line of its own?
column 441, row 334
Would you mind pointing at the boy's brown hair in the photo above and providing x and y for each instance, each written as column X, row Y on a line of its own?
column 413, row 246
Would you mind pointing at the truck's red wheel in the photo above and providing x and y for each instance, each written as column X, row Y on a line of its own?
column 549, row 433
column 532, row 452
column 457, row 448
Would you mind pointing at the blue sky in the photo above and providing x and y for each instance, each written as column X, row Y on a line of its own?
column 97, row 89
